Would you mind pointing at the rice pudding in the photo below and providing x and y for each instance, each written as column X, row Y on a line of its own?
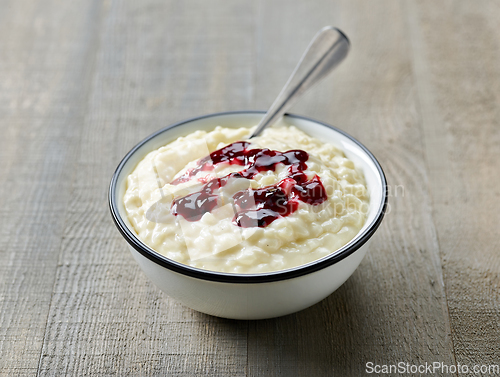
column 218, row 201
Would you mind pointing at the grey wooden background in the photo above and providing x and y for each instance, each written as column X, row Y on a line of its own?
column 82, row 81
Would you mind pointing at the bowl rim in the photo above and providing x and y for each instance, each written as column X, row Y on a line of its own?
column 224, row 277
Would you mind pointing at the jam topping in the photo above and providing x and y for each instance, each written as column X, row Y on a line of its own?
column 254, row 207
column 233, row 154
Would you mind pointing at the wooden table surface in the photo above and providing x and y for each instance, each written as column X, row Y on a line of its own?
column 81, row 82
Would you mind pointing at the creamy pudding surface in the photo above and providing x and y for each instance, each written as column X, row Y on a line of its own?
column 218, row 201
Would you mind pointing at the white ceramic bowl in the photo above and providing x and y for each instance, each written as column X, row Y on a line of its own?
column 251, row 296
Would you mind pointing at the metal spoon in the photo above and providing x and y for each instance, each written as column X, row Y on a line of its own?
column 327, row 49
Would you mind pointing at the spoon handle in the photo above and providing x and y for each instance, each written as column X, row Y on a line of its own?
column 327, row 49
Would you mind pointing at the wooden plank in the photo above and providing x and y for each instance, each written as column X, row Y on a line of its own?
column 394, row 307
column 458, row 75
column 159, row 62
column 45, row 54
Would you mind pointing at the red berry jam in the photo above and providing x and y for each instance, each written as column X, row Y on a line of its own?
column 254, row 207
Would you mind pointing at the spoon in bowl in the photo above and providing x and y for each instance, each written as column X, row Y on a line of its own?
column 327, row 49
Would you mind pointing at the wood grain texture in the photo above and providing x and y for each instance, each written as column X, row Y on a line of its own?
column 45, row 53
column 394, row 307
column 81, row 82
column 157, row 63
column 459, row 91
